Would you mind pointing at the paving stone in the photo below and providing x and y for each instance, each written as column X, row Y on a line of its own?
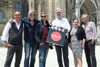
column 51, row 58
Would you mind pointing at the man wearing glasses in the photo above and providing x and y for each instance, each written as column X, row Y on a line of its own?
column 30, row 24
column 30, row 46
column 63, row 24
column 14, row 44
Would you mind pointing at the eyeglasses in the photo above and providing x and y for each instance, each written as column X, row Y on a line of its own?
column 17, row 15
column 58, row 12
column 32, row 15
column 43, row 16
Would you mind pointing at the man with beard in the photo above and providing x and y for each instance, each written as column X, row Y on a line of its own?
column 63, row 24
column 30, row 43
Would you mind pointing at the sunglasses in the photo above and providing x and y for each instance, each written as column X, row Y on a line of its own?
column 17, row 15
column 43, row 16
column 32, row 15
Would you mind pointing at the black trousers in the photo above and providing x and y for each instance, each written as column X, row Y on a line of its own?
column 90, row 54
column 14, row 49
column 64, row 50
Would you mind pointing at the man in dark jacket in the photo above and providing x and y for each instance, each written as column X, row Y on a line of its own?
column 30, row 25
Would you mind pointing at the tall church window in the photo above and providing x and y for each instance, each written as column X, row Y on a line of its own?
column 22, row 6
column 2, row 17
column 18, row 5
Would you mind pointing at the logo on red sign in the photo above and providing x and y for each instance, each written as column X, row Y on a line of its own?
column 56, row 36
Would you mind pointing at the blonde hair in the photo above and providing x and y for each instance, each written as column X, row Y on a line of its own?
column 43, row 13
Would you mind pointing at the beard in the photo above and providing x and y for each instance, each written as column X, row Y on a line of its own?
column 58, row 16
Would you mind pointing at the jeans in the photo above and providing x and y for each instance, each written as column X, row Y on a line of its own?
column 30, row 48
column 90, row 54
column 14, row 49
column 59, row 50
column 43, row 51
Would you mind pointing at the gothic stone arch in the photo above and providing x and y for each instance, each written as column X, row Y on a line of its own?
column 88, row 7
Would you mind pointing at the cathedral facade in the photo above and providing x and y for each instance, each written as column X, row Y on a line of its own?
column 71, row 9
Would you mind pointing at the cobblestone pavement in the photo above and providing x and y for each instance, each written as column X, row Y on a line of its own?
column 51, row 59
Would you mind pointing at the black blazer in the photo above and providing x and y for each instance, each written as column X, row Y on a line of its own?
column 80, row 34
column 39, row 31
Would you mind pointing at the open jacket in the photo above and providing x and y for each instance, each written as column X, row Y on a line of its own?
column 80, row 34
column 29, row 29
column 39, row 31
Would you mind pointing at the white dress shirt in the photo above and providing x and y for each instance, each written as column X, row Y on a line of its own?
column 6, row 30
column 63, row 22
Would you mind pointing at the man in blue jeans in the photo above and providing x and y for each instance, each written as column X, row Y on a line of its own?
column 30, row 45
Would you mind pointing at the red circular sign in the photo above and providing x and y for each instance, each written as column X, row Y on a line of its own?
column 56, row 36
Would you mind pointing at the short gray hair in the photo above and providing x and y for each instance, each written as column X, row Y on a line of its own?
column 59, row 9
column 31, row 11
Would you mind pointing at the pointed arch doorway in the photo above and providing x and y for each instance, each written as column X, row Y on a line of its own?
column 89, row 8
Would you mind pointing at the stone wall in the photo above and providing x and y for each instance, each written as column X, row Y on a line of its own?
column 1, row 28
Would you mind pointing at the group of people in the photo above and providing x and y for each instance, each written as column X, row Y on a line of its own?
column 35, row 35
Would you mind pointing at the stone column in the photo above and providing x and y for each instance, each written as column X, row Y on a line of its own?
column 57, row 5
column 63, row 7
column 98, row 26
column 77, row 10
column 39, row 9
column 50, row 10
column 31, row 5
column 68, row 11
column 11, row 11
